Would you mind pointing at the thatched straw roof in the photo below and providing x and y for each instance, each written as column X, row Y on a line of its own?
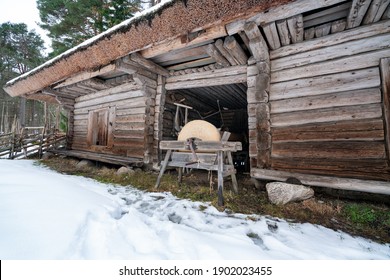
column 168, row 20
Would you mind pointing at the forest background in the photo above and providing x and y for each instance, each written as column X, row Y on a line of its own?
column 67, row 23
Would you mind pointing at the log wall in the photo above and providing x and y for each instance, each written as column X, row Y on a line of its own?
column 326, row 110
column 131, row 109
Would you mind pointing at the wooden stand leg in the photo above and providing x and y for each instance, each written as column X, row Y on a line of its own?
column 180, row 175
column 220, row 178
column 234, row 179
column 163, row 167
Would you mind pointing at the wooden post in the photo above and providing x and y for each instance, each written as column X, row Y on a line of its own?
column 258, row 75
column 163, row 167
column 385, row 77
column 220, row 178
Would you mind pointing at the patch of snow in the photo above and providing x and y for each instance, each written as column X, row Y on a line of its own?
column 47, row 215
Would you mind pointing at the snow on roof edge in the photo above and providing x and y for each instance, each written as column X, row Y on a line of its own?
column 92, row 40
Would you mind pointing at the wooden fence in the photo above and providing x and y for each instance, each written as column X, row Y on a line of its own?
column 29, row 141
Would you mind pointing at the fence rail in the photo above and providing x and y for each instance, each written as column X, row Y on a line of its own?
column 29, row 141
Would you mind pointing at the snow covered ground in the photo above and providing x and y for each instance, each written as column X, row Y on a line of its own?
column 46, row 215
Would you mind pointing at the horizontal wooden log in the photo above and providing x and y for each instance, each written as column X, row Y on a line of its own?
column 133, row 95
column 365, row 130
column 364, row 169
column 218, row 81
column 192, row 64
column 359, row 112
column 348, row 81
column 330, row 150
column 346, row 98
column 333, row 52
column 148, row 64
column 188, row 157
column 340, row 65
column 115, row 90
column 202, row 145
column 280, row 12
column 324, row 181
column 86, row 76
column 328, row 15
column 218, row 73
column 130, row 126
column 363, row 32
column 214, row 32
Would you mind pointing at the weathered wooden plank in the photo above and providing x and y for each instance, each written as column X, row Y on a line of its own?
column 338, row 26
column 85, row 76
column 361, row 46
column 367, row 130
column 324, row 181
column 123, row 104
column 130, row 126
column 130, row 118
column 363, row 169
column 284, row 34
column 352, row 80
column 281, row 12
column 182, row 55
column 357, row 12
column 348, row 98
column 375, row 11
column 217, row 81
column 235, row 50
column 188, row 157
column 335, row 13
column 340, row 65
column 332, row 150
column 257, row 43
column 322, row 30
column 130, row 111
column 192, row 64
column 295, row 26
column 148, row 64
column 386, row 14
column 363, row 32
column 219, row 45
column 213, row 52
column 202, row 145
column 358, row 112
column 271, row 33
column 114, row 90
column 214, row 32
column 134, row 95
column 217, row 73
column 309, row 33
column 385, row 75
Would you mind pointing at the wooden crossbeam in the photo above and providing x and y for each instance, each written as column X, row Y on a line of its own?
column 148, row 64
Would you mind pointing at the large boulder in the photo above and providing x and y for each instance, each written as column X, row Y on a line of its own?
column 282, row 193
column 124, row 170
column 84, row 163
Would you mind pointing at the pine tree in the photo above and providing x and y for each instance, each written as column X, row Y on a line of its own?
column 21, row 50
column 71, row 22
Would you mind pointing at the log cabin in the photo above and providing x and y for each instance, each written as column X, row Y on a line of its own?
column 304, row 83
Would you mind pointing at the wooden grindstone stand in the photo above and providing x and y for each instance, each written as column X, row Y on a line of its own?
column 206, row 155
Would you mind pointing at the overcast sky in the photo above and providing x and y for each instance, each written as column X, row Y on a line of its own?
column 22, row 11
